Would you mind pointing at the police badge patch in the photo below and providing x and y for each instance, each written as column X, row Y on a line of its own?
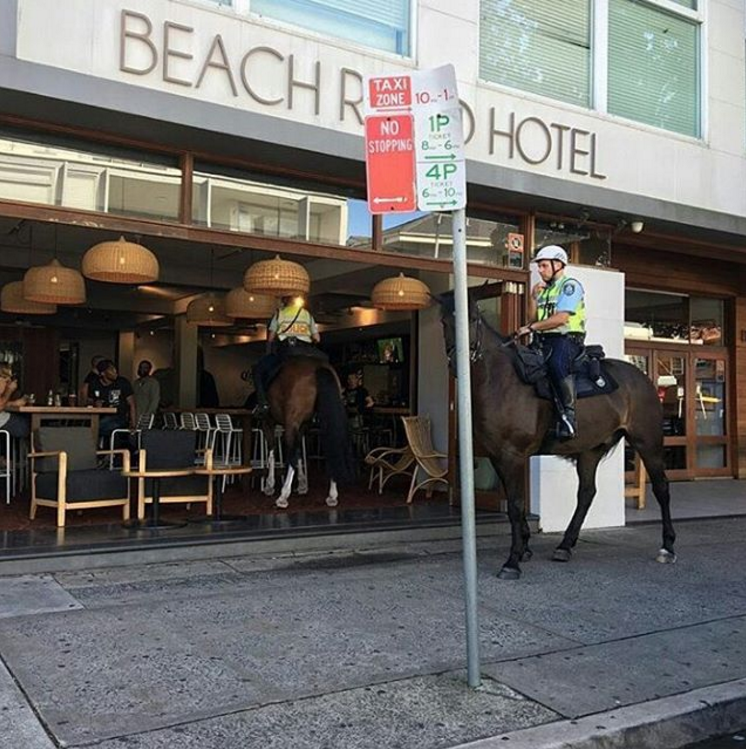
column 569, row 288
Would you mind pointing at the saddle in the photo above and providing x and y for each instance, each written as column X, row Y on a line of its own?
column 292, row 347
column 591, row 376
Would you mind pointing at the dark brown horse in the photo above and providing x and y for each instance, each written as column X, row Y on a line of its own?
column 304, row 386
column 513, row 424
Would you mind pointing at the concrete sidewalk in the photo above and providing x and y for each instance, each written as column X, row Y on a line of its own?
column 348, row 649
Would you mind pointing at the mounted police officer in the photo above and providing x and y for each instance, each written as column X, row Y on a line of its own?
column 559, row 327
column 292, row 331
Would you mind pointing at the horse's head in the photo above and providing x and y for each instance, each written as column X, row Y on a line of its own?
column 447, row 304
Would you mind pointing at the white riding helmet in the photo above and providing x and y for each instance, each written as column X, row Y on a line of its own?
column 551, row 252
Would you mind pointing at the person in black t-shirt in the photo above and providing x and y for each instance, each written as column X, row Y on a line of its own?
column 357, row 399
column 113, row 391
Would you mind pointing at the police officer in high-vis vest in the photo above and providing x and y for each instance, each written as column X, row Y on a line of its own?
column 292, row 329
column 559, row 327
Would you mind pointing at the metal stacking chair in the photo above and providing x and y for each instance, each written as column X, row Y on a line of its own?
column 205, row 431
column 144, row 422
column 169, row 420
column 188, row 421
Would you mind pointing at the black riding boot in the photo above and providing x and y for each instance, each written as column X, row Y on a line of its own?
column 567, row 428
column 262, row 404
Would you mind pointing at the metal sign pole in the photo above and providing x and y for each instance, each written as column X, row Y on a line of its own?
column 465, row 447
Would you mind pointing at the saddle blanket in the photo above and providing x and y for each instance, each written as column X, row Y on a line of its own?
column 591, row 376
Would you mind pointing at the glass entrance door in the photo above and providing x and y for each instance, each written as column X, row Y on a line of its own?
column 693, row 390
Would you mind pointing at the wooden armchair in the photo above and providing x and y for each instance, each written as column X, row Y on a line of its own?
column 386, row 462
column 163, row 450
column 433, row 464
column 65, row 474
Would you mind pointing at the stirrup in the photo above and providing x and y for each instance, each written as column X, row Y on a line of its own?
column 565, row 428
column 260, row 410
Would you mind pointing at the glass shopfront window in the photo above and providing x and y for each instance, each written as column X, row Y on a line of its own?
column 676, row 318
column 489, row 241
column 49, row 171
column 234, row 201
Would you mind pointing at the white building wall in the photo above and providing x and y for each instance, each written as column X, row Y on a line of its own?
column 554, row 481
column 633, row 158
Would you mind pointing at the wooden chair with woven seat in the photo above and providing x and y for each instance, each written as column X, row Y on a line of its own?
column 386, row 462
column 432, row 463
column 66, row 474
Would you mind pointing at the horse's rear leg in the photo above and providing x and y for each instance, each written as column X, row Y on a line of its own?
column 587, row 465
column 651, row 453
column 512, row 475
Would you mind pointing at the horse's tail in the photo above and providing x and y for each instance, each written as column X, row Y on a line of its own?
column 341, row 465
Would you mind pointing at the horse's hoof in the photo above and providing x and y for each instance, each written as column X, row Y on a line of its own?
column 561, row 555
column 527, row 554
column 302, row 490
column 509, row 573
column 269, row 491
column 332, row 501
column 282, row 503
column 666, row 557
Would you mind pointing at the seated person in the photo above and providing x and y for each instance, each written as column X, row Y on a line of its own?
column 16, row 425
column 357, row 399
column 291, row 324
column 113, row 391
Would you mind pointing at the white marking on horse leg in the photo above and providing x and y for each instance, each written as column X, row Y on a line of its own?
column 269, row 482
column 302, row 478
column 282, row 500
column 664, row 556
column 332, row 500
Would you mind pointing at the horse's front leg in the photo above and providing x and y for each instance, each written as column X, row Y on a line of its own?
column 332, row 499
column 587, row 465
column 282, row 500
column 512, row 473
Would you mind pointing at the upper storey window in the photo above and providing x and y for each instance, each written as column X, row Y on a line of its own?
column 381, row 24
column 638, row 59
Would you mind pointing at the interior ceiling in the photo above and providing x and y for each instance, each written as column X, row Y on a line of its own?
column 187, row 269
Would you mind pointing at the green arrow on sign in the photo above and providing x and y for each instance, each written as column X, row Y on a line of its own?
column 450, row 157
column 447, row 202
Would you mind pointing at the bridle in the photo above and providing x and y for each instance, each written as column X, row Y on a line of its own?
column 476, row 349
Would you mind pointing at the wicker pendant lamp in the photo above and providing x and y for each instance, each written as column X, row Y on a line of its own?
column 400, row 293
column 277, row 277
column 120, row 262
column 242, row 304
column 54, row 284
column 208, row 310
column 12, row 300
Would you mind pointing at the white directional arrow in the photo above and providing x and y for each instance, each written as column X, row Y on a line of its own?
column 389, row 200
